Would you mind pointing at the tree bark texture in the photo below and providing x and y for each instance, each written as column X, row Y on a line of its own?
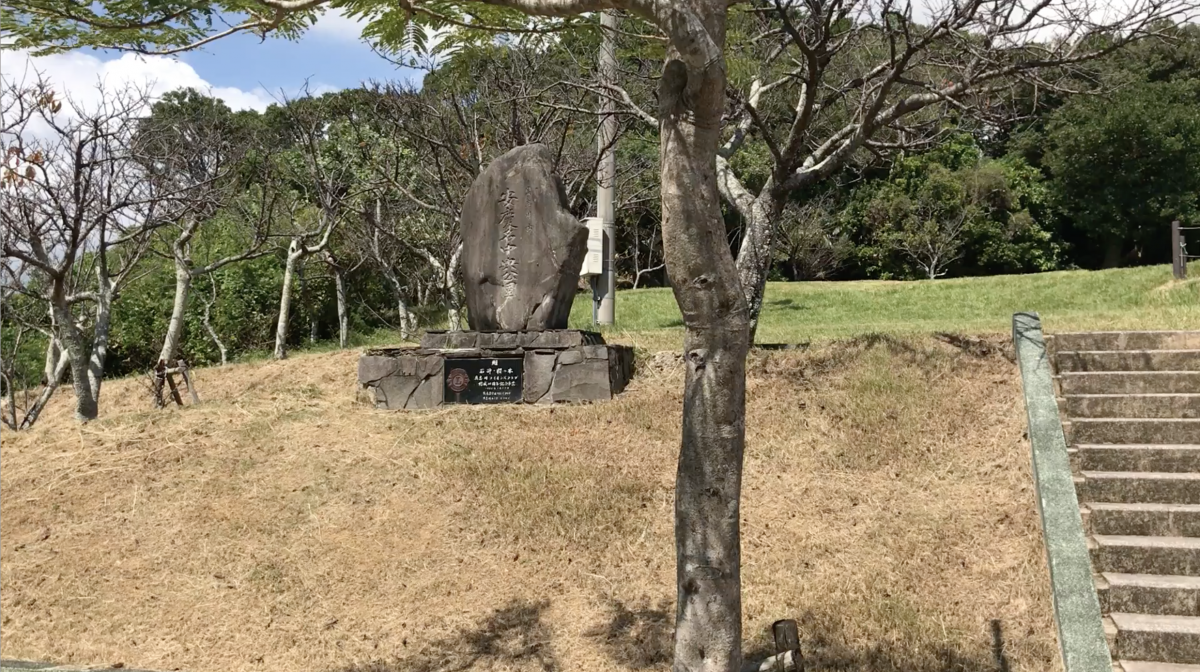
column 704, row 278
column 52, row 382
column 339, row 280
column 53, row 356
column 100, row 331
column 183, row 284
column 757, row 252
column 76, row 352
column 285, row 301
column 212, row 333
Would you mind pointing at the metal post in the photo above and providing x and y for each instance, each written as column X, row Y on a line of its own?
column 1178, row 263
column 606, row 170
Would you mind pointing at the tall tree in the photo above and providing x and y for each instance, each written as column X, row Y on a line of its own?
column 194, row 142
column 1123, row 166
column 322, row 173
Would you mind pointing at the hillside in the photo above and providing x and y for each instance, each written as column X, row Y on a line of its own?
column 281, row 525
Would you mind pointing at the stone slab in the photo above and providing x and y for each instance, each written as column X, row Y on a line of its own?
column 522, row 247
column 559, row 339
column 414, row 378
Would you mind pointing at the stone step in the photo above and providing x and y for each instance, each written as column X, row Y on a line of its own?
column 1149, row 666
column 1127, row 382
column 1145, row 555
column 1135, row 430
column 1125, row 340
column 1147, row 520
column 1169, row 639
column 1130, row 406
column 1127, row 360
column 1149, row 594
column 1161, row 487
column 1135, row 457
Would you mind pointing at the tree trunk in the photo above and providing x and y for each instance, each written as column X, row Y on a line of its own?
column 403, row 314
column 183, row 284
column 52, row 383
column 75, row 351
column 339, row 280
column 406, row 318
column 212, row 333
column 285, row 301
column 757, row 252
column 453, row 318
column 95, row 369
column 708, row 625
column 53, row 356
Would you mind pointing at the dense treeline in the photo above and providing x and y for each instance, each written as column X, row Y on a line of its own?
column 326, row 217
column 1085, row 181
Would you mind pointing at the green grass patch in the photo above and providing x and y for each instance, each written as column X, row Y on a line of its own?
column 794, row 312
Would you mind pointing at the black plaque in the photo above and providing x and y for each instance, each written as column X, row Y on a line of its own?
column 484, row 381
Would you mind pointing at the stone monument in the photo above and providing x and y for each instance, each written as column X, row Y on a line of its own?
column 522, row 251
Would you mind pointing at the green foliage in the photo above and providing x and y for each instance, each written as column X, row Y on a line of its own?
column 1123, row 167
column 977, row 215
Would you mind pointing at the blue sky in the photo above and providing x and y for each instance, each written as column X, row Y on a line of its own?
column 241, row 69
column 331, row 54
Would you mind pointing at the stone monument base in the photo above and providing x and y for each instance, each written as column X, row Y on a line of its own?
column 489, row 367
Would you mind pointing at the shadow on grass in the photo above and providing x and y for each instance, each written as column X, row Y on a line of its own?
column 823, row 647
column 514, row 637
column 977, row 347
column 639, row 637
column 785, row 305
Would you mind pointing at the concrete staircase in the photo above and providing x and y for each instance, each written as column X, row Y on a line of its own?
column 1130, row 403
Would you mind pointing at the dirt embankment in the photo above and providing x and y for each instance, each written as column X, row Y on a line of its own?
column 280, row 525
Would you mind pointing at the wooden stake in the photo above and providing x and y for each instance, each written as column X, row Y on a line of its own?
column 787, row 635
column 174, row 390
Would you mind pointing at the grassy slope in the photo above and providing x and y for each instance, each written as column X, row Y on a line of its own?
column 282, row 526
column 1136, row 298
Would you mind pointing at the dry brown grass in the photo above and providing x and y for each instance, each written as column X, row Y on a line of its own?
column 280, row 525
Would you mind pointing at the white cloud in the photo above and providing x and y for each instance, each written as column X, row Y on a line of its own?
column 84, row 78
column 334, row 24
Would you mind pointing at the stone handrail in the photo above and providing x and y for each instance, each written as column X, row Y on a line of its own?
column 1076, row 607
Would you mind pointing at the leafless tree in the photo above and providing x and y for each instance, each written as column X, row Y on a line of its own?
column 206, row 320
column 811, row 241
column 328, row 192
column 26, row 318
column 78, row 208
column 932, row 238
column 851, row 80
column 190, row 143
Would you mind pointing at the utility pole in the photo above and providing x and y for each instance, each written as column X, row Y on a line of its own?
column 605, row 290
